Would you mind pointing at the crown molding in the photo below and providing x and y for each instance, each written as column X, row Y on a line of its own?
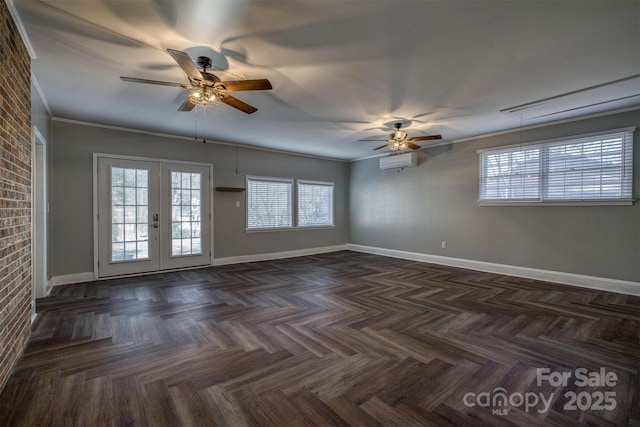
column 36, row 85
column 190, row 138
column 21, row 30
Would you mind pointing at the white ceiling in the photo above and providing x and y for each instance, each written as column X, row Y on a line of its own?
column 341, row 71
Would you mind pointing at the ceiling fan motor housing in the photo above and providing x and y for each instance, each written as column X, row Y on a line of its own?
column 204, row 62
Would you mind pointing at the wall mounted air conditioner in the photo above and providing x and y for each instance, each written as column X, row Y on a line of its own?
column 397, row 161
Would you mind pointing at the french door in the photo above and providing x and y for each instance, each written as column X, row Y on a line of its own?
column 152, row 216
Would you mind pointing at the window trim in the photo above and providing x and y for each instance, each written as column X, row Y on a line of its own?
column 560, row 139
column 542, row 144
column 333, row 204
column 268, row 179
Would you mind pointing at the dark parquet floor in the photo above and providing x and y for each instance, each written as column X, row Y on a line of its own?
column 337, row 339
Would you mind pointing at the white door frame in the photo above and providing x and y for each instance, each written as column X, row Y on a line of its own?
column 39, row 210
column 209, row 166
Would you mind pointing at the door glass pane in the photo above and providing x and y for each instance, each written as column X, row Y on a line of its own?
column 129, row 214
column 186, row 212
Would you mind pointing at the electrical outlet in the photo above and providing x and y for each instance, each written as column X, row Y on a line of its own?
column 443, row 244
column 237, row 203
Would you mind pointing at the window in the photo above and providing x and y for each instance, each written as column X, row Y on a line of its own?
column 269, row 203
column 315, row 204
column 129, row 214
column 186, row 208
column 596, row 167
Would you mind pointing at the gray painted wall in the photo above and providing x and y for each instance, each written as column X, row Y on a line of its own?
column 72, row 147
column 416, row 209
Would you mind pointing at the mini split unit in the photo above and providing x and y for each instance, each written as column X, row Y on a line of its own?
column 398, row 161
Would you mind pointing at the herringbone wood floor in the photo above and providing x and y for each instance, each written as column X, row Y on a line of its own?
column 335, row 339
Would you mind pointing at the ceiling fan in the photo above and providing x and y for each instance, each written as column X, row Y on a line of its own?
column 398, row 140
column 206, row 88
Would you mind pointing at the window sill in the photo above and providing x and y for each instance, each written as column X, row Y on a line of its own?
column 315, row 227
column 309, row 227
column 559, row 203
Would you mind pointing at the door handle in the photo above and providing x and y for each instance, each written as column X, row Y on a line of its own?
column 155, row 220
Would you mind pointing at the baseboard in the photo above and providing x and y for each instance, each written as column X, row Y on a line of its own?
column 69, row 279
column 591, row 282
column 277, row 255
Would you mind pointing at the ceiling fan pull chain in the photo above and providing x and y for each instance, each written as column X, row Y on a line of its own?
column 237, row 159
column 196, row 130
column 204, row 124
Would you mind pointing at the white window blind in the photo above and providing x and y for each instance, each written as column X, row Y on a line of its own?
column 315, row 204
column 580, row 169
column 589, row 168
column 510, row 174
column 269, row 203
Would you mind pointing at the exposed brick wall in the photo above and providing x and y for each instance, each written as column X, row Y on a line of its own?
column 15, row 194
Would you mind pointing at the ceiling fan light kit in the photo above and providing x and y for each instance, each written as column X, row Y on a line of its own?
column 397, row 145
column 204, row 96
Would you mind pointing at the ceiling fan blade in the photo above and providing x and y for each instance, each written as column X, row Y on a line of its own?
column 382, row 146
column 240, row 85
column 372, row 140
column 424, row 138
column 238, row 104
column 152, row 82
column 412, row 145
column 187, row 65
column 187, row 105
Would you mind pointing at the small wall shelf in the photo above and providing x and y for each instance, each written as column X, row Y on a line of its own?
column 230, row 189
